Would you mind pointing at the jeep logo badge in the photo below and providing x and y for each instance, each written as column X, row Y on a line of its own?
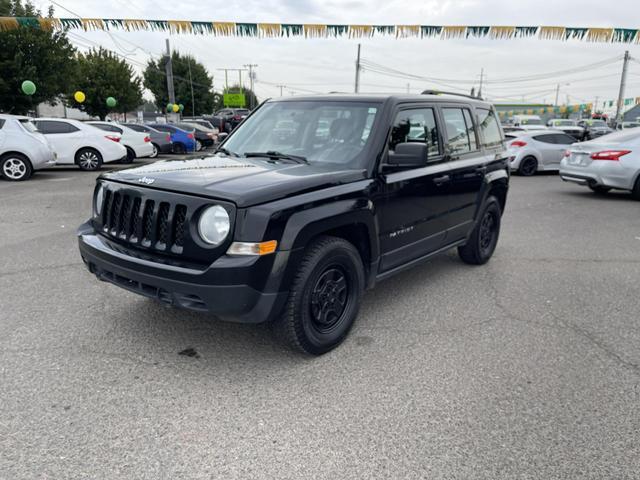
column 146, row 180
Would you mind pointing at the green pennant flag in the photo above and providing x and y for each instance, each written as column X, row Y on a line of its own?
column 71, row 23
column 202, row 27
column 478, row 31
column 162, row 25
column 385, row 29
column 430, row 31
column 525, row 31
column 624, row 35
column 337, row 30
column 113, row 22
column 247, row 29
column 291, row 29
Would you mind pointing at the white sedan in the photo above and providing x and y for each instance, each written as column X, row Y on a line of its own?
column 138, row 144
column 22, row 148
column 77, row 143
column 608, row 162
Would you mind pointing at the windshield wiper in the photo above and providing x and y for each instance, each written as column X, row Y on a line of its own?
column 277, row 156
column 226, row 152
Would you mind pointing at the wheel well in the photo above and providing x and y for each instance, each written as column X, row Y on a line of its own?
column 499, row 190
column 358, row 235
column 75, row 157
column 14, row 152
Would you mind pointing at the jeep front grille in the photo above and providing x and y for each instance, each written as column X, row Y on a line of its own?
column 144, row 222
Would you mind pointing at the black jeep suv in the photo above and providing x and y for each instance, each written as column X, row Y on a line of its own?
column 304, row 206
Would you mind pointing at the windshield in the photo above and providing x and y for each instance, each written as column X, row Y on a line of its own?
column 28, row 125
column 598, row 123
column 564, row 123
column 328, row 132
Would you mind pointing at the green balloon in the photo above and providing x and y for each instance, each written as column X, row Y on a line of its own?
column 181, row 107
column 28, row 87
column 111, row 102
column 169, row 107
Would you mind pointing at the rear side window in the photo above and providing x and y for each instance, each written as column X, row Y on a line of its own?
column 548, row 138
column 54, row 127
column 137, row 128
column 491, row 137
column 563, row 139
column 1, row 124
column 416, row 125
column 107, row 128
column 460, row 131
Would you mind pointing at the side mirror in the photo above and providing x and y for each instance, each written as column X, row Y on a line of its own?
column 412, row 154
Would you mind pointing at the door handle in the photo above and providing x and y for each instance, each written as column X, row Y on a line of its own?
column 441, row 180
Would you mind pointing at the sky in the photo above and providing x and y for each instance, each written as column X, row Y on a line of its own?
column 323, row 65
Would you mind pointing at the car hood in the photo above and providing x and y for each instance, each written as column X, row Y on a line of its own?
column 244, row 181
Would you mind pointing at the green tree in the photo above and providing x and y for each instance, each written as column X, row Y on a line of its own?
column 29, row 53
column 155, row 81
column 102, row 74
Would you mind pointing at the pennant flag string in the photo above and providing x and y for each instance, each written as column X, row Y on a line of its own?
column 307, row 30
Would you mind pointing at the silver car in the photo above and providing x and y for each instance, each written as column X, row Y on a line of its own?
column 535, row 151
column 612, row 161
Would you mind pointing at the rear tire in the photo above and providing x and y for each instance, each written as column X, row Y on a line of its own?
column 15, row 167
column 88, row 159
column 600, row 189
column 528, row 166
column 484, row 238
column 179, row 148
column 324, row 297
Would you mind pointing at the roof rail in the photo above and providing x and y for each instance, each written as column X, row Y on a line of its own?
column 440, row 92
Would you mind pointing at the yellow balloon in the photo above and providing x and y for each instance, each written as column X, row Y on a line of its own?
column 79, row 96
column 176, row 108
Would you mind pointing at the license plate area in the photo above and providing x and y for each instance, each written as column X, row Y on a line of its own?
column 579, row 158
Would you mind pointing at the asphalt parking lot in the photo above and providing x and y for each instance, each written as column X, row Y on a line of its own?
column 528, row 367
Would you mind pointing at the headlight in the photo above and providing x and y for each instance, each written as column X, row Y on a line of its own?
column 97, row 204
column 214, row 225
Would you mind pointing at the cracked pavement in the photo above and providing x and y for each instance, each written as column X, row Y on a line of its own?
column 527, row 367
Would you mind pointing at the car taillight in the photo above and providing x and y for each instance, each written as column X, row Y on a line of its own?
column 609, row 154
column 111, row 137
column 518, row 143
column 567, row 153
column 147, row 139
column 189, row 135
column 237, row 117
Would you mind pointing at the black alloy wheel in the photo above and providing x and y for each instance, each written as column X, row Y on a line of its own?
column 484, row 238
column 528, row 166
column 324, row 297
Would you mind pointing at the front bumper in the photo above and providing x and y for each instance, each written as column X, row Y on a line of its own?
column 187, row 288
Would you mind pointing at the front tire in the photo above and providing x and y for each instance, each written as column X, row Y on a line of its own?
column 198, row 145
column 484, row 238
column 324, row 297
column 635, row 193
column 528, row 166
column 15, row 167
column 131, row 156
column 88, row 159
column 179, row 148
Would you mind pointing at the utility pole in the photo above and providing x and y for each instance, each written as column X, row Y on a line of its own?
column 623, row 84
column 357, row 87
column 251, row 66
column 557, row 94
column 481, row 79
column 169, row 70
column 280, row 87
column 193, row 101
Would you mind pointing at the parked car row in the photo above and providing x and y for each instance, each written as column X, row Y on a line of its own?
column 605, row 162
column 27, row 144
column 581, row 130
